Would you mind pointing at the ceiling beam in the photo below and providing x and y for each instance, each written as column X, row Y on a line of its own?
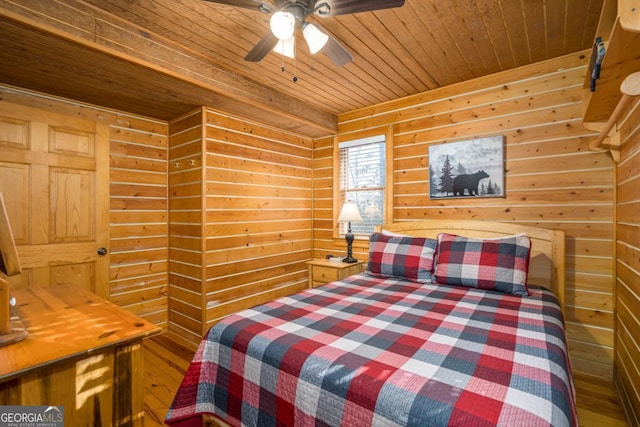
column 65, row 40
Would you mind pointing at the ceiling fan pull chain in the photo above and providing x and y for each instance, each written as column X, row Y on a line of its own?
column 295, row 62
column 295, row 69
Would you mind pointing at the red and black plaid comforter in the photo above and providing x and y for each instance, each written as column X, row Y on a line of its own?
column 370, row 351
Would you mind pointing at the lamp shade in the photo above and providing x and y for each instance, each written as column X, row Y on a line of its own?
column 283, row 24
column 315, row 38
column 349, row 213
column 286, row 47
column 372, row 210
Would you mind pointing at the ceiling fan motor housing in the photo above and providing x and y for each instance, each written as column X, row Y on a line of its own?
column 299, row 9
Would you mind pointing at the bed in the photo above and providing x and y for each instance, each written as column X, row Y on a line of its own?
column 453, row 323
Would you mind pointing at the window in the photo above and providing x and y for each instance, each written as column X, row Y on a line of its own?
column 362, row 180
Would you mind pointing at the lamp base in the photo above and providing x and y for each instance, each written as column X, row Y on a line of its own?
column 349, row 238
column 17, row 333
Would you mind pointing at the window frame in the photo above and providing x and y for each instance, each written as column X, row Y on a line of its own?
column 387, row 138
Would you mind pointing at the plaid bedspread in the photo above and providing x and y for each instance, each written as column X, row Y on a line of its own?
column 371, row 351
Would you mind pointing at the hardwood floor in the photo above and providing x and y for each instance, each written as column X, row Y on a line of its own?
column 165, row 363
column 598, row 403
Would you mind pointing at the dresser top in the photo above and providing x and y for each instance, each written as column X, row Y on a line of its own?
column 64, row 322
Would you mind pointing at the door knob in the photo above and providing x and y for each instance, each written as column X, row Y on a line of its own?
column 102, row 251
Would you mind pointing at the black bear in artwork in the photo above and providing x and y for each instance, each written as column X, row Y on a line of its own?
column 469, row 182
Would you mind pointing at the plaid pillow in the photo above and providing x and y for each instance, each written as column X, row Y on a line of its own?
column 498, row 264
column 401, row 256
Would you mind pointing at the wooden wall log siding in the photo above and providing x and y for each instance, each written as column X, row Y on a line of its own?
column 138, row 211
column 552, row 179
column 186, row 226
column 627, row 292
column 134, row 202
column 258, row 214
column 240, row 217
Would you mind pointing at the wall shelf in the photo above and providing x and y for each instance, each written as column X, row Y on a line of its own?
column 619, row 28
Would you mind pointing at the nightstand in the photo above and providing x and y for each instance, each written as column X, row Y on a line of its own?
column 322, row 271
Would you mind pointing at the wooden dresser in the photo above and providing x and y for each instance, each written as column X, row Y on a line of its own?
column 81, row 353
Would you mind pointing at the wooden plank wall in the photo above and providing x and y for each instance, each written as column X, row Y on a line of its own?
column 137, row 193
column 248, row 193
column 259, row 210
column 186, row 226
column 138, row 212
column 552, row 179
column 628, row 264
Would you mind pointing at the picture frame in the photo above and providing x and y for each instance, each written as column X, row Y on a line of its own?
column 467, row 169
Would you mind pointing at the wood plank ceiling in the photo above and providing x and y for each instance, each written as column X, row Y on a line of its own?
column 161, row 58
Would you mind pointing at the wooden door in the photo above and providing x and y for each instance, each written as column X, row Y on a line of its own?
column 54, row 179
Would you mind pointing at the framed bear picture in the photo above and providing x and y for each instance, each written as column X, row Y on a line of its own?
column 463, row 169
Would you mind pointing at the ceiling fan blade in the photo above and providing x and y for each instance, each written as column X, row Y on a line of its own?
column 344, row 7
column 336, row 52
column 246, row 4
column 264, row 46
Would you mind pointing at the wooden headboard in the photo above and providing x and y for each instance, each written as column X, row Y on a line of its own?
column 547, row 262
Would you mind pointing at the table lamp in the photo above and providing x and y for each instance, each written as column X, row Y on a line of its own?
column 349, row 214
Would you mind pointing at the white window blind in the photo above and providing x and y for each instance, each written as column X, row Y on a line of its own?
column 362, row 180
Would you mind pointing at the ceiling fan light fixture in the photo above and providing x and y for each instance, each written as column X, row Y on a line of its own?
column 286, row 47
column 315, row 38
column 283, row 24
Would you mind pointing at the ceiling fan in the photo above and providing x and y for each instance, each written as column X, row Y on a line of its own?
column 289, row 15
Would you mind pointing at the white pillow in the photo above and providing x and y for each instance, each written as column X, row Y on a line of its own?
column 391, row 233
